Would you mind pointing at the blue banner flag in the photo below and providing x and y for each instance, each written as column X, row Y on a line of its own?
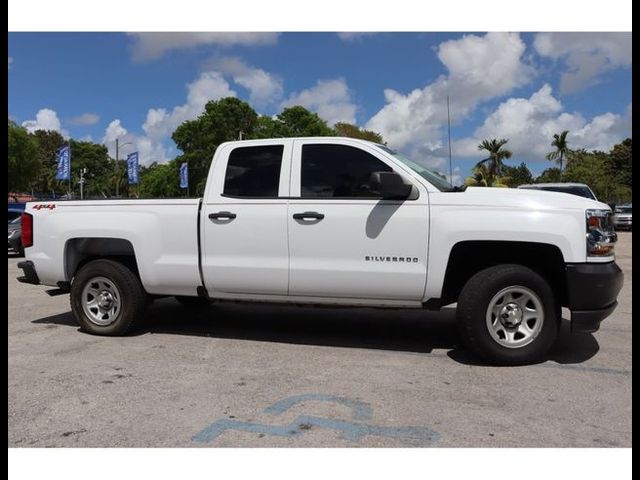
column 64, row 163
column 133, row 168
column 184, row 175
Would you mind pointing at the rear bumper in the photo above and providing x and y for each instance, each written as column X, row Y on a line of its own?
column 592, row 290
column 30, row 275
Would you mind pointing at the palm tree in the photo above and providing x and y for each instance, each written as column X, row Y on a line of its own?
column 494, row 162
column 481, row 178
column 562, row 148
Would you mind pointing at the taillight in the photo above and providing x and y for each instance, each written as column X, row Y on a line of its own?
column 26, row 224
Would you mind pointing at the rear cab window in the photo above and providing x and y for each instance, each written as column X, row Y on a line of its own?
column 253, row 172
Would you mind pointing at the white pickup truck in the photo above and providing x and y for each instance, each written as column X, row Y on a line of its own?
column 336, row 221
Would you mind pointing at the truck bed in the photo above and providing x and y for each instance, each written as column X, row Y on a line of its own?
column 163, row 234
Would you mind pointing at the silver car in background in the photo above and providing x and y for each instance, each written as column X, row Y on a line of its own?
column 622, row 217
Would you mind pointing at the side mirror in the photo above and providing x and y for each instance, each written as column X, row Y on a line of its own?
column 389, row 185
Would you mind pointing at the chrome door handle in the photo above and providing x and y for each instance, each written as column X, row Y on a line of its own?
column 308, row 216
column 222, row 216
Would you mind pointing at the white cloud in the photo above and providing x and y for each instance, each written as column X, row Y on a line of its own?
column 148, row 150
column 113, row 131
column 84, row 119
column 330, row 99
column 160, row 122
column 10, row 62
column 479, row 68
column 153, row 45
column 587, row 55
column 264, row 88
column 353, row 36
column 46, row 119
column 208, row 86
column 529, row 124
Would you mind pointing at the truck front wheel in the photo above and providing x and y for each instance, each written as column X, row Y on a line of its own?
column 508, row 315
column 107, row 298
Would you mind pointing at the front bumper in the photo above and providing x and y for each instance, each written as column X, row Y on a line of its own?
column 592, row 290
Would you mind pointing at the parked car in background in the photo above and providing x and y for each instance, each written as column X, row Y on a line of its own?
column 14, row 212
column 622, row 217
column 15, row 236
column 579, row 189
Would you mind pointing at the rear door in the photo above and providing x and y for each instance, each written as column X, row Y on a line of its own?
column 244, row 220
column 343, row 241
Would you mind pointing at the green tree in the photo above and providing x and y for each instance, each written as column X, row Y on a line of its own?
column 297, row 121
column 519, row 175
column 23, row 161
column 267, row 127
column 596, row 170
column 494, row 163
column 481, row 177
column 221, row 121
column 49, row 141
column 160, row 181
column 561, row 148
column 619, row 162
column 549, row 175
column 353, row 131
column 100, row 167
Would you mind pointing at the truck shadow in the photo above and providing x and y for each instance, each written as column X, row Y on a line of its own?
column 413, row 331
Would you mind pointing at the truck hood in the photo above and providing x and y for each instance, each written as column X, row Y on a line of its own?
column 515, row 198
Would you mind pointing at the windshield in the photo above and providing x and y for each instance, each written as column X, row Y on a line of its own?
column 623, row 210
column 435, row 178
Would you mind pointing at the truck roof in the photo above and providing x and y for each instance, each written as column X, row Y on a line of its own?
column 262, row 140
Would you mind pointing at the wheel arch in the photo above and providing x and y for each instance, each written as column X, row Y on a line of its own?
column 469, row 257
column 80, row 251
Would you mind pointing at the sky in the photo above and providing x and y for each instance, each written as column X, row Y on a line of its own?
column 525, row 87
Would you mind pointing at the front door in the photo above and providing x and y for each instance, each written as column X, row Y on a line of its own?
column 343, row 241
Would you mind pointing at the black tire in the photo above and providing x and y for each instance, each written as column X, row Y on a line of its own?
column 133, row 298
column 473, row 306
column 194, row 302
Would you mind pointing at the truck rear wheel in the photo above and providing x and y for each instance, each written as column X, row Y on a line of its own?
column 508, row 315
column 107, row 298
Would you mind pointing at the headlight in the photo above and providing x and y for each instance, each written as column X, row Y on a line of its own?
column 601, row 237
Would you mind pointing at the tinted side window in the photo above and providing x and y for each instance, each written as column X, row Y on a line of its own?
column 337, row 171
column 254, row 171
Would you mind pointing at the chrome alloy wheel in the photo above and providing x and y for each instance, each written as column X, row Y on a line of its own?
column 515, row 316
column 101, row 301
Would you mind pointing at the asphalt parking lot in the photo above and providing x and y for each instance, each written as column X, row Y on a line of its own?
column 266, row 376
